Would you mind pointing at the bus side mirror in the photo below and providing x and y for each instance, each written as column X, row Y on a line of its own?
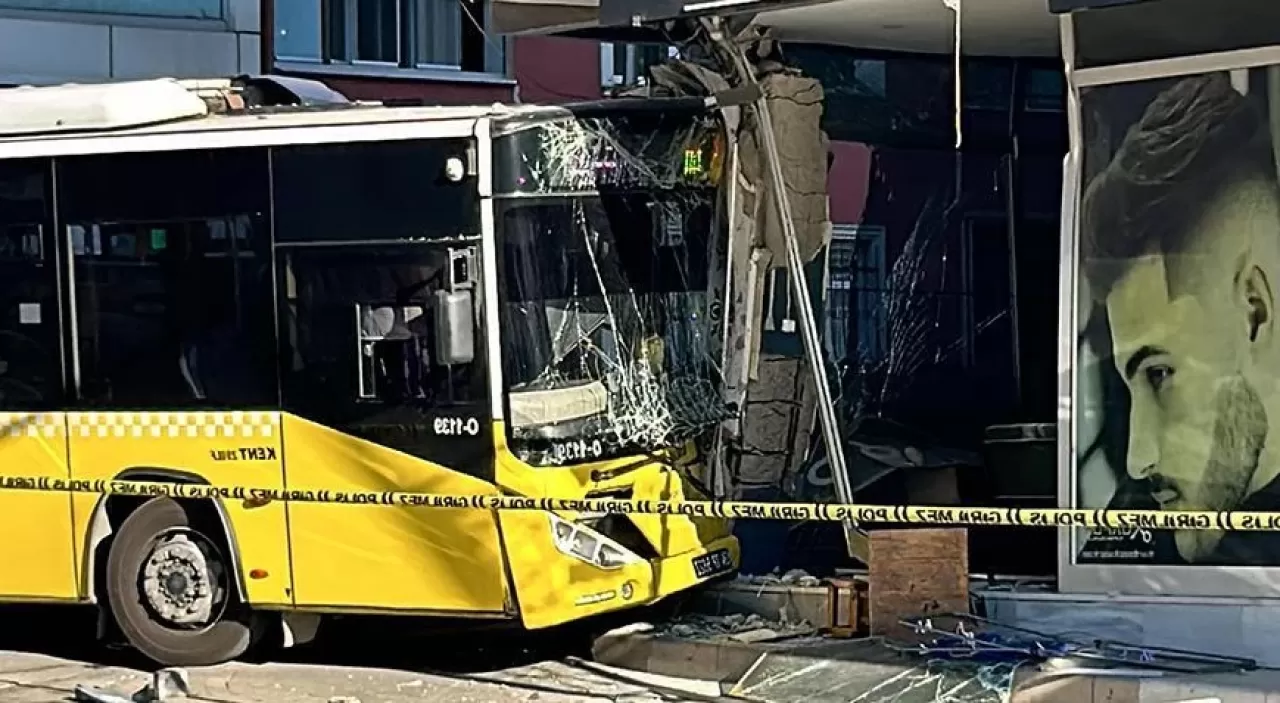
column 455, row 327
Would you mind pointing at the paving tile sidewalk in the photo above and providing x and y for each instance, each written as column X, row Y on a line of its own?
column 37, row 678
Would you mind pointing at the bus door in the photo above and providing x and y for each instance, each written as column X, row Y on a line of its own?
column 36, row 554
column 374, row 244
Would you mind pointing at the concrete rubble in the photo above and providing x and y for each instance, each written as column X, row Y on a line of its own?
column 794, row 577
column 814, row 669
column 165, row 685
column 793, row 597
column 735, row 627
column 807, row 667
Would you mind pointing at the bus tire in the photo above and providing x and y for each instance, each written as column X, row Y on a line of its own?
column 170, row 589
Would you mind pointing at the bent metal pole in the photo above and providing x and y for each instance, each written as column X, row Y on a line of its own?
column 799, row 284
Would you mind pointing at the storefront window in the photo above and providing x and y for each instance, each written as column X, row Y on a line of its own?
column 1179, row 352
column 1134, row 32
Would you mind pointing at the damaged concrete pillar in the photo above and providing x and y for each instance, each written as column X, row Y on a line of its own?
column 775, row 397
column 779, row 410
column 795, row 103
column 777, row 421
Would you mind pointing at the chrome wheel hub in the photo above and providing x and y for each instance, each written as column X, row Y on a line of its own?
column 180, row 580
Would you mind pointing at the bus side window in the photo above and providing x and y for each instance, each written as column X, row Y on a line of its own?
column 30, row 358
column 363, row 237
column 172, row 278
column 358, row 328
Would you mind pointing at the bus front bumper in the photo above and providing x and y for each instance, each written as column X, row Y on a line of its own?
column 675, row 574
column 589, row 591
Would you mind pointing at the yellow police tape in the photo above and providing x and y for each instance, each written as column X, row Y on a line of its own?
column 862, row 514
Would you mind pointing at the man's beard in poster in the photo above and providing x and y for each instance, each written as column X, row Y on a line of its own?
column 1240, row 431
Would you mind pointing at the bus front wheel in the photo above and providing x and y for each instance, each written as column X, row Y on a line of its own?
column 169, row 584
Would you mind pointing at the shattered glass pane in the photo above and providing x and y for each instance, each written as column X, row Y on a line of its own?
column 608, row 348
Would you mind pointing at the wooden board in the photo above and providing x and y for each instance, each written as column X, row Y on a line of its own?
column 915, row 573
column 846, row 608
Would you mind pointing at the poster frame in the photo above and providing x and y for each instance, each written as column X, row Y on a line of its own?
column 1250, row 583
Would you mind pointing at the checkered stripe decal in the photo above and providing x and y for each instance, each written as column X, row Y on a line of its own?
column 47, row 425
column 174, row 425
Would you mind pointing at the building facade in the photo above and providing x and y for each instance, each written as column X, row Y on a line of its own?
column 59, row 41
column 434, row 51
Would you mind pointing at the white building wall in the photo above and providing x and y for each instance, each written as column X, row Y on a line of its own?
column 47, row 46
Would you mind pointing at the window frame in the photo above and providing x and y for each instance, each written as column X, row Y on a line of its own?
column 411, row 49
column 635, row 69
column 858, row 304
column 350, row 13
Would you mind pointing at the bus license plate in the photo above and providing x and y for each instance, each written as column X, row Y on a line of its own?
column 712, row 563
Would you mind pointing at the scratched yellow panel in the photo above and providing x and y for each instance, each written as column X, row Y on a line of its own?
column 36, row 553
column 387, row 557
column 221, row 448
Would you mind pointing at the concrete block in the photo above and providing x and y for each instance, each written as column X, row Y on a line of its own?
column 679, row 687
column 761, row 469
column 1033, row 686
column 1077, row 689
column 1192, row 691
column 777, row 380
column 767, row 426
column 720, row 661
column 916, row 573
column 629, row 651
column 1218, row 629
column 1099, row 619
column 1260, row 633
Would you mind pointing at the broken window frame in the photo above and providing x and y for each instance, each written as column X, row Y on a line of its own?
column 593, row 164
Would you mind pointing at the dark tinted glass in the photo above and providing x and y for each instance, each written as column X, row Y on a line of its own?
column 172, row 277
column 30, row 352
column 1164, row 29
column 908, row 100
column 377, row 191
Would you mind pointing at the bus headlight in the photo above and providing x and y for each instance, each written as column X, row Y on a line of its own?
column 585, row 544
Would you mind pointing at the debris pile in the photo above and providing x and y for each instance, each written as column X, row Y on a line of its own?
column 736, row 627
column 794, row 577
column 165, row 685
column 974, row 639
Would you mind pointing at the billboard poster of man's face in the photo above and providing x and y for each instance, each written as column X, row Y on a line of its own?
column 1178, row 358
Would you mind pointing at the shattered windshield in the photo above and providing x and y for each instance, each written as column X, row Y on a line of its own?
column 606, row 341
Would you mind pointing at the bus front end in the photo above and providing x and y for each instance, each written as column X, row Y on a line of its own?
column 607, row 230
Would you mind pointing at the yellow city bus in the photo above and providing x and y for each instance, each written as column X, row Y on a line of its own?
column 197, row 287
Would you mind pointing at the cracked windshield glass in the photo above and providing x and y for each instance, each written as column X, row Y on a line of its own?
column 604, row 241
